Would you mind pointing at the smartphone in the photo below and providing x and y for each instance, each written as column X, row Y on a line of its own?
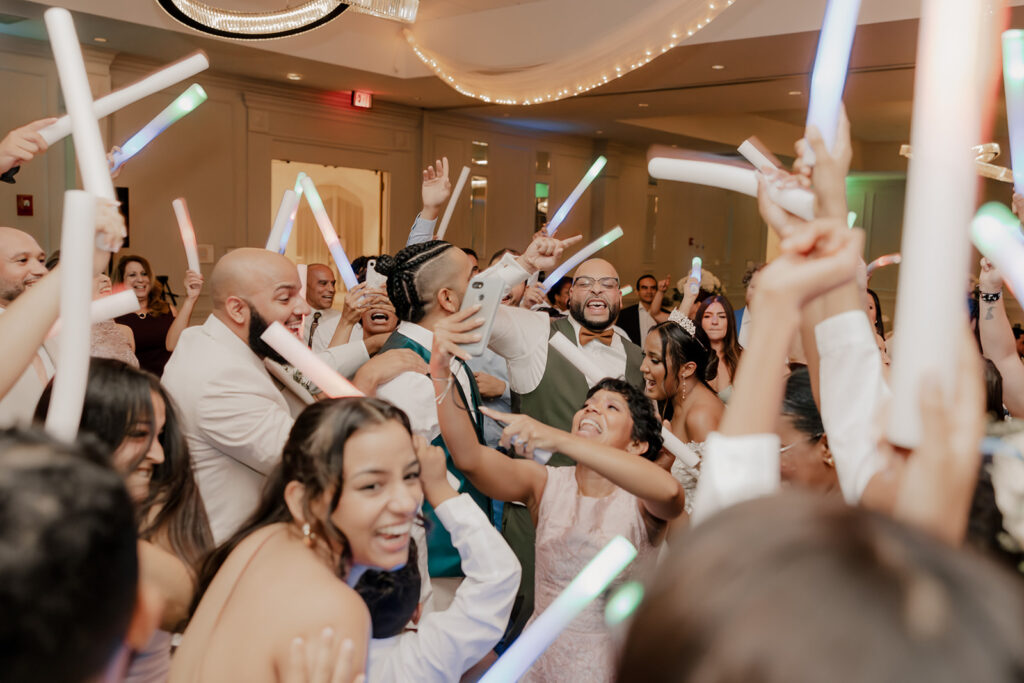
column 373, row 278
column 487, row 292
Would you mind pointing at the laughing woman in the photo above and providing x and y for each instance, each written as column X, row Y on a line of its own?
column 614, row 489
column 156, row 325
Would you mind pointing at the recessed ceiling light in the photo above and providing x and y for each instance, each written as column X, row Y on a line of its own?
column 294, row 77
column 98, row 39
column 598, row 132
column 796, row 92
column 642, row 104
column 718, row 67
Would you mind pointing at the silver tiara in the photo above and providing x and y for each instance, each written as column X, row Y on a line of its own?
column 678, row 318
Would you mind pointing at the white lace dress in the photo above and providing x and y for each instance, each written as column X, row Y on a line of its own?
column 688, row 476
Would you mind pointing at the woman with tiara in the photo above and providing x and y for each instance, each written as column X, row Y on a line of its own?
column 678, row 364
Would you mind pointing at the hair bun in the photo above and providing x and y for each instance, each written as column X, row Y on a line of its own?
column 385, row 265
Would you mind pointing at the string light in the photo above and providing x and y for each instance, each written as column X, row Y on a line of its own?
column 495, row 92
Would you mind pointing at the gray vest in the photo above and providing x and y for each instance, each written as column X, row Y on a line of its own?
column 563, row 388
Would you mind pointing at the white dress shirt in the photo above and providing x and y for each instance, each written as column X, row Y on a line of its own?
column 735, row 469
column 647, row 322
column 746, row 323
column 521, row 338
column 853, row 390
column 325, row 328
column 18, row 405
column 449, row 642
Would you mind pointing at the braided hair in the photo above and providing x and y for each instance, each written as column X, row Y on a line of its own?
column 402, row 272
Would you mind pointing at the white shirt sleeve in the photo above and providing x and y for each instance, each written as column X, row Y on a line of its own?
column 447, row 643
column 521, row 338
column 413, row 392
column 422, row 230
column 735, row 469
column 852, row 389
column 346, row 358
column 508, row 270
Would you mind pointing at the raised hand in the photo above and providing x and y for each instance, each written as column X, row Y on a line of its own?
column 544, row 253
column 193, row 284
column 523, row 434
column 436, row 189
column 1018, row 206
column 433, row 472
column 664, row 283
column 448, row 334
column 533, row 296
column 990, row 279
column 21, row 145
column 489, row 385
column 110, row 233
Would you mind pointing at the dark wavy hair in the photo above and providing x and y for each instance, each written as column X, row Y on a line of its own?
column 731, row 348
column 314, row 456
column 646, row 424
column 118, row 397
column 679, row 347
column 798, row 403
column 403, row 272
column 878, row 324
column 155, row 299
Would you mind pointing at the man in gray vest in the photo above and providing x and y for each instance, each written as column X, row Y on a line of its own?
column 548, row 388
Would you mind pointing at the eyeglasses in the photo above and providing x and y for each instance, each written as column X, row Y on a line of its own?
column 813, row 438
column 588, row 282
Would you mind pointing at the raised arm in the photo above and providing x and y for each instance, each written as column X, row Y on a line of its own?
column 659, row 296
column 435, row 191
column 193, row 286
column 997, row 341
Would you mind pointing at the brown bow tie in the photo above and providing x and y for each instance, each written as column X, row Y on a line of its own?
column 605, row 336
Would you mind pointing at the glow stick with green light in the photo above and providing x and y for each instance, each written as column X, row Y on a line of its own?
column 281, row 230
column 851, row 218
column 327, row 230
column 574, row 196
column 626, row 291
column 183, row 104
column 993, row 232
column 1013, row 84
column 583, row 590
column 623, row 603
column 290, row 223
column 883, row 261
column 695, row 273
column 581, row 256
column 830, row 66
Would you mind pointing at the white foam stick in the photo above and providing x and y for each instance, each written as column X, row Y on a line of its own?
column 830, row 66
column 153, row 83
column 188, row 233
column 728, row 177
column 78, row 233
column 755, row 156
column 594, row 374
column 285, row 216
column 308, row 363
column 106, row 308
column 182, row 105
column 330, row 236
column 74, row 84
column 994, row 232
column 450, row 209
column 580, row 256
column 940, row 198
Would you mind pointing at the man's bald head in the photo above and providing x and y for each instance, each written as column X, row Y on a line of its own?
column 245, row 272
column 595, row 299
column 22, row 263
column 320, row 286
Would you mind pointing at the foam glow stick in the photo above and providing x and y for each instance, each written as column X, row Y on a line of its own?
column 594, row 374
column 696, row 271
column 166, row 77
column 74, row 85
column 327, row 230
column 626, row 291
column 278, row 239
column 298, row 182
column 752, row 153
column 581, row 591
column 106, row 308
column 726, row 176
column 882, row 261
column 581, row 256
column 307, row 362
column 941, row 191
column 78, row 233
column 188, row 233
column 182, row 105
column 830, row 66
column 452, row 201
column 994, row 232
column 574, row 196
column 623, row 602
column 1013, row 84
column 851, row 218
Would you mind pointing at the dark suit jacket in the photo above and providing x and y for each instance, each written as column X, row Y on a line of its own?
column 629, row 321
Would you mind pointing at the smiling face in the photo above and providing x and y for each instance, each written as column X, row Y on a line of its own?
column 605, row 417
column 141, row 451
column 102, row 285
column 137, row 279
column 804, row 459
column 320, row 286
column 715, row 322
column 595, row 299
column 655, row 370
column 279, row 299
column 379, row 321
column 22, row 263
column 381, row 495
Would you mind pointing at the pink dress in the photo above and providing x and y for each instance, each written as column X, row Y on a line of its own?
column 571, row 530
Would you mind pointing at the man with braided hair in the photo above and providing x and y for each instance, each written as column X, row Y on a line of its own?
column 427, row 283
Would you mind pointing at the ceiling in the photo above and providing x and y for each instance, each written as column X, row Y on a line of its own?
column 765, row 46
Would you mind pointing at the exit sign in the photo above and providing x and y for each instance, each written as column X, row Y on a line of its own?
column 361, row 99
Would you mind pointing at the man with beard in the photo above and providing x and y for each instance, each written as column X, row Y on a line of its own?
column 234, row 416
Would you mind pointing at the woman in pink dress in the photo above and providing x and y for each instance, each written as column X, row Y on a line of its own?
column 614, row 489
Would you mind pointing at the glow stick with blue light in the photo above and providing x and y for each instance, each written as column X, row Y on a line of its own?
column 581, row 591
column 452, row 202
column 581, row 256
column 1013, row 84
column 285, row 218
column 830, row 66
column 182, row 105
column 696, row 270
column 327, row 230
column 993, row 232
column 574, row 196
column 883, row 261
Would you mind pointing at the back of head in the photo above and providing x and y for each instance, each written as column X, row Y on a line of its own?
column 798, row 588
column 798, row 403
column 68, row 563
column 414, row 276
column 392, row 597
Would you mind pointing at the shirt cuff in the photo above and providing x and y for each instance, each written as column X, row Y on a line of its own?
column 508, row 269
column 840, row 332
column 461, row 507
column 735, row 469
column 347, row 358
column 422, row 231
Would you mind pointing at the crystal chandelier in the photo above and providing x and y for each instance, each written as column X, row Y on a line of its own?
column 280, row 23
